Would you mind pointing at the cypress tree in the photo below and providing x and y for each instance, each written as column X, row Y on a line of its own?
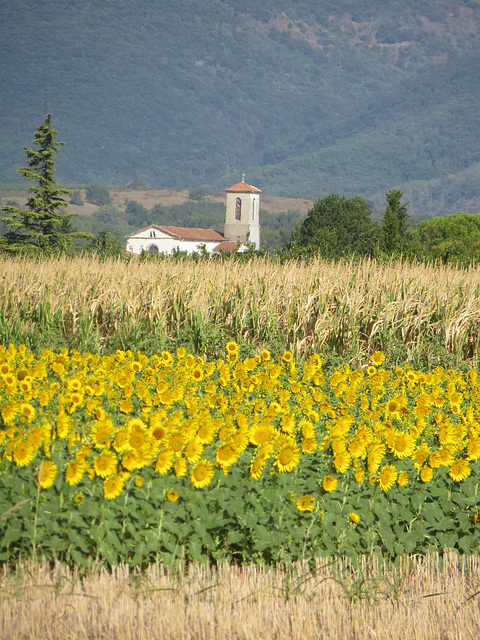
column 390, row 235
column 395, row 223
column 41, row 228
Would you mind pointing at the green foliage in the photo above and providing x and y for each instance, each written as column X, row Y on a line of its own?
column 96, row 194
column 137, row 215
column 76, row 198
column 107, row 246
column 138, row 185
column 395, row 223
column 196, row 194
column 236, row 518
column 40, row 228
column 450, row 239
column 389, row 231
column 336, row 227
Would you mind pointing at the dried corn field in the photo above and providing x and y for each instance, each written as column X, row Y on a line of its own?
column 346, row 308
column 424, row 598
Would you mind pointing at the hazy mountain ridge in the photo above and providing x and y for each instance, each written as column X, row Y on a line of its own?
column 307, row 98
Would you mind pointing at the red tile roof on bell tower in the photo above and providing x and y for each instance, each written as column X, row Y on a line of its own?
column 243, row 187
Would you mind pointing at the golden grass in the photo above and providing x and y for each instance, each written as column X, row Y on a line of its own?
column 305, row 306
column 421, row 600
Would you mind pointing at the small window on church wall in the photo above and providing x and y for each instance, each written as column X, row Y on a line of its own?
column 238, row 209
column 152, row 234
column 153, row 249
column 253, row 209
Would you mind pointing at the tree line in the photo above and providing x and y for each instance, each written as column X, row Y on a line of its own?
column 336, row 227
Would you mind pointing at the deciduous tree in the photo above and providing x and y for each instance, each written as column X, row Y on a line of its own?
column 336, row 226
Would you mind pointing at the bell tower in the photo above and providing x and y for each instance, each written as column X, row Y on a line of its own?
column 242, row 213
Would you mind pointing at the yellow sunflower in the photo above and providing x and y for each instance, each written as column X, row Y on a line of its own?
column 260, row 434
column 47, row 474
column 403, row 445
column 23, row 454
column 113, row 487
column 306, row 503
column 197, row 374
column 126, row 406
column 164, row 461
column 106, row 464
column 421, row 454
column 180, row 467
column 288, row 457
column 9, row 412
column 375, row 457
column 62, row 424
column 387, row 477
column 445, row 457
column 102, row 432
column 206, row 431
column 377, row 358
column 202, row 474
column 359, row 475
column 473, row 449
column 27, row 412
column 75, row 471
column 341, row 461
column 176, row 442
column 138, row 438
column 354, row 517
column 426, row 474
column 171, row 495
column 258, row 464
column 120, row 441
column 226, row 455
column 240, row 439
column 309, row 445
column 329, row 484
column 232, row 347
column 193, row 450
column 459, row 470
column 131, row 460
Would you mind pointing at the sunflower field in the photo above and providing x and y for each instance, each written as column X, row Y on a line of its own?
column 171, row 457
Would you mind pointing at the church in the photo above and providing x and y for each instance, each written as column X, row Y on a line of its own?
column 242, row 227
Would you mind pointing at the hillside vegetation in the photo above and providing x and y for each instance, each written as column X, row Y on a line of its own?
column 307, row 98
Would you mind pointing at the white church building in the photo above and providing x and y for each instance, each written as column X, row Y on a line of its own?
column 242, row 226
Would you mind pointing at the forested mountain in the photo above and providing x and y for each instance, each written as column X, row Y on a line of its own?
column 307, row 97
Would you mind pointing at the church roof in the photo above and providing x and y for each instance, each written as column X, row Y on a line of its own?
column 185, row 233
column 243, row 187
column 228, row 245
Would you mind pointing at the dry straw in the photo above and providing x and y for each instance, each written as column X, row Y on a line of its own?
column 302, row 306
column 420, row 600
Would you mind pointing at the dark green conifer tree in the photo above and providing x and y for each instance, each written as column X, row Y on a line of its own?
column 395, row 223
column 40, row 228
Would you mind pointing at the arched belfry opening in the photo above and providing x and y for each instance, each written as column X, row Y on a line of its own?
column 242, row 213
column 238, row 209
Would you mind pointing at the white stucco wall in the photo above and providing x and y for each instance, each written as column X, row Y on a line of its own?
column 165, row 244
